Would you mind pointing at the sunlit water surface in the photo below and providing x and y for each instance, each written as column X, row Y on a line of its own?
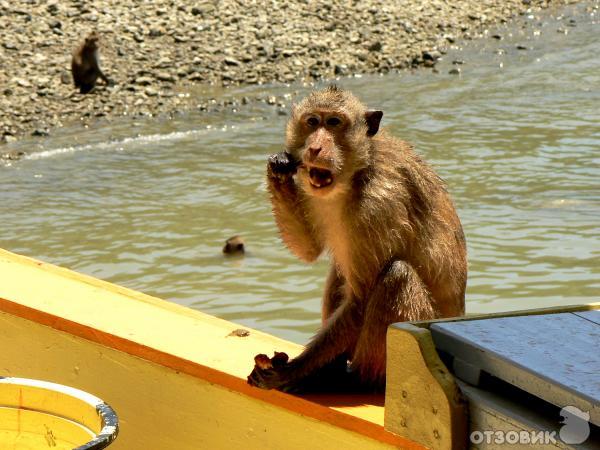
column 148, row 204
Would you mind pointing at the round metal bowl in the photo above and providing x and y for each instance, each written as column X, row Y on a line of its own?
column 38, row 414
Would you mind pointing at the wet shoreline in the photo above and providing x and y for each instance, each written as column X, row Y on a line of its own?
column 169, row 57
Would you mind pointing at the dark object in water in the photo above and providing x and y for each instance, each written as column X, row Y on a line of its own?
column 234, row 246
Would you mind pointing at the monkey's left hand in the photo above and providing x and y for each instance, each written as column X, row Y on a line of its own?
column 271, row 373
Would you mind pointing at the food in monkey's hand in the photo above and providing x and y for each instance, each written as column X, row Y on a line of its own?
column 282, row 165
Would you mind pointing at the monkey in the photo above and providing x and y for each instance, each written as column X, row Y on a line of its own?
column 85, row 65
column 234, row 246
column 396, row 244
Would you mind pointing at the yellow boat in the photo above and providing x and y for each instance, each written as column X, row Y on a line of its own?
column 177, row 377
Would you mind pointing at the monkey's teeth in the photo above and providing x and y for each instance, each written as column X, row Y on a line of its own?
column 320, row 177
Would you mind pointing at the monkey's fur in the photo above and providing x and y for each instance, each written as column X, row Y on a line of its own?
column 85, row 64
column 397, row 247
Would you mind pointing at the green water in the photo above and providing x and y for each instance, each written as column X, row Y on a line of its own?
column 148, row 204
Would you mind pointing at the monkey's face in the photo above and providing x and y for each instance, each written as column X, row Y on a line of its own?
column 329, row 135
column 321, row 156
column 329, row 145
column 91, row 41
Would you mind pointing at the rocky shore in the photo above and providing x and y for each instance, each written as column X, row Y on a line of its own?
column 157, row 51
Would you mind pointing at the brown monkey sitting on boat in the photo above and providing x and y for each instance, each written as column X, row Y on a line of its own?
column 85, row 64
column 396, row 244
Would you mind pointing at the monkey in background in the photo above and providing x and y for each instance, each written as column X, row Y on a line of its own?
column 85, row 64
column 397, row 247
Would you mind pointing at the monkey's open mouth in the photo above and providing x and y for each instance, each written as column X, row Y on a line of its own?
column 320, row 178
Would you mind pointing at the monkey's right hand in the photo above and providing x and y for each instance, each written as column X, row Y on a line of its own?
column 281, row 166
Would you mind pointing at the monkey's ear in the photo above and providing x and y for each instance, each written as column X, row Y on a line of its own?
column 373, row 118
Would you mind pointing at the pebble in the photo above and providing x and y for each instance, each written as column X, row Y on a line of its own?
column 375, row 47
column 165, row 76
column 23, row 83
column 144, row 81
column 12, row 155
column 432, row 55
column 232, row 62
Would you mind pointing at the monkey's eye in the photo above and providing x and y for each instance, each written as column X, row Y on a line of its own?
column 334, row 121
column 312, row 121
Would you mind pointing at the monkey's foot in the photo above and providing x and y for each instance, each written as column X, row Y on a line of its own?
column 271, row 373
